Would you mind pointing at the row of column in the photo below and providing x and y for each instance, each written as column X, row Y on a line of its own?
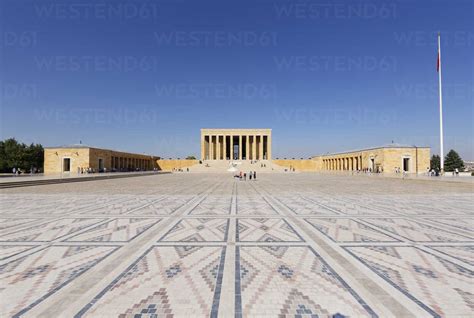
column 344, row 163
column 125, row 163
column 249, row 147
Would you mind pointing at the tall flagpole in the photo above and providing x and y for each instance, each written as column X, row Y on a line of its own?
column 441, row 150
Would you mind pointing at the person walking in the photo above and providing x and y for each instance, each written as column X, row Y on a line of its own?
column 255, row 175
column 245, row 176
column 250, row 175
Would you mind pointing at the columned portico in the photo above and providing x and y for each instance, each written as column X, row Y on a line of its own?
column 221, row 144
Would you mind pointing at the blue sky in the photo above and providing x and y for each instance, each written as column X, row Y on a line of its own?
column 326, row 76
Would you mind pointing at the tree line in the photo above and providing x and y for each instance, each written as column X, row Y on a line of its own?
column 14, row 154
column 452, row 161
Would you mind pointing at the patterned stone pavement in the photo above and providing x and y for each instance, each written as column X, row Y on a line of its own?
column 286, row 245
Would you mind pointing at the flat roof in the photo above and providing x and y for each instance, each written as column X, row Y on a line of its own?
column 83, row 146
column 392, row 145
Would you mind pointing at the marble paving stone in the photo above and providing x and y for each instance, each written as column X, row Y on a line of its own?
column 255, row 247
column 300, row 206
column 418, row 231
column 442, row 288
column 466, row 224
column 348, row 230
column 213, row 205
column 7, row 251
column 50, row 230
column 168, row 281
column 462, row 253
column 27, row 281
column 254, row 205
column 118, row 230
column 6, row 224
column 165, row 206
column 278, row 281
column 198, row 230
column 265, row 230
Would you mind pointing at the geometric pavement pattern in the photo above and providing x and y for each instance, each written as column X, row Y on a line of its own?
column 198, row 230
column 265, row 230
column 25, row 281
column 118, row 230
column 284, row 245
column 348, row 230
column 441, row 287
column 419, row 231
column 293, row 281
column 152, row 286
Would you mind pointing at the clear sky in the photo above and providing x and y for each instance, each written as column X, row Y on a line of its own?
column 326, row 76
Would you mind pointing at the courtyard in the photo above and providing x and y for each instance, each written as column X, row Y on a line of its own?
column 197, row 245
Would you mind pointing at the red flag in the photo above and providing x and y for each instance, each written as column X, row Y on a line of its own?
column 437, row 64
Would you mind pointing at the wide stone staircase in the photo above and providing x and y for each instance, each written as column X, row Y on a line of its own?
column 222, row 166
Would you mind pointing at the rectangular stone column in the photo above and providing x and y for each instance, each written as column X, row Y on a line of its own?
column 218, row 145
column 211, row 147
column 254, row 147
column 247, row 147
column 269, row 148
column 225, row 147
column 240, row 147
column 203, row 149
column 260, row 148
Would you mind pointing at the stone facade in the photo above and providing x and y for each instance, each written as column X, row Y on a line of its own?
column 70, row 159
column 386, row 159
column 170, row 164
column 299, row 164
column 236, row 144
column 247, row 144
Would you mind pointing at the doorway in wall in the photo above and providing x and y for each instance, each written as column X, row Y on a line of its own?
column 66, row 164
column 406, row 164
column 101, row 165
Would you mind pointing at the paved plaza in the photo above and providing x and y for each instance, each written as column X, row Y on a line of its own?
column 197, row 245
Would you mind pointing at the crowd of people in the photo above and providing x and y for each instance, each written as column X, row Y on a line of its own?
column 243, row 175
column 18, row 171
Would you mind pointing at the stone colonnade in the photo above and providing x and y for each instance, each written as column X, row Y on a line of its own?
column 236, row 144
column 343, row 163
column 126, row 163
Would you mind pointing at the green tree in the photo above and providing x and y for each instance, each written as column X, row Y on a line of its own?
column 453, row 161
column 190, row 158
column 18, row 155
column 435, row 162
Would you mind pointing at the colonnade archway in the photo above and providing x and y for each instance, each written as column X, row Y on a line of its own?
column 343, row 163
